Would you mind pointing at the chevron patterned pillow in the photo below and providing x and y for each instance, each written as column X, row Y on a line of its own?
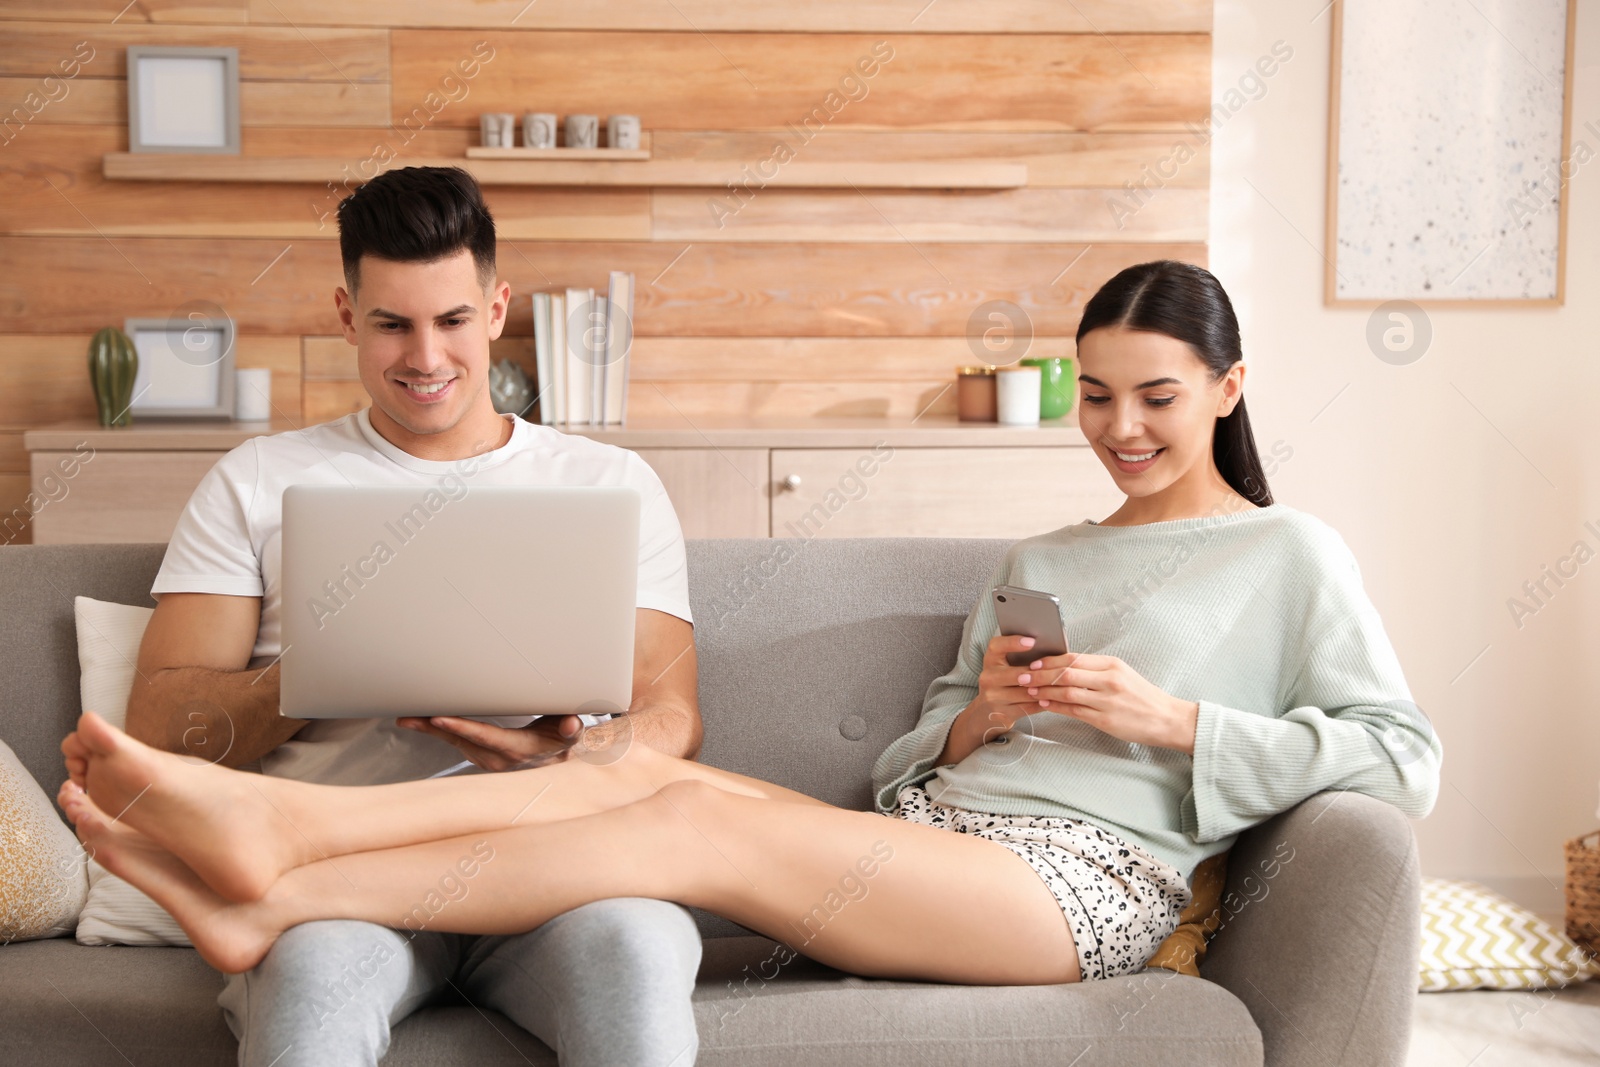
column 1473, row 938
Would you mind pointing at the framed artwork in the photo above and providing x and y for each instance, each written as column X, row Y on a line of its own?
column 1449, row 151
column 185, row 367
column 183, row 99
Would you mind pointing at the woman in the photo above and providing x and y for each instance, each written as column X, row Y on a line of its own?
column 1231, row 665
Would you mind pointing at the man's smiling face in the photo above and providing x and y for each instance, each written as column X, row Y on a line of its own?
column 422, row 333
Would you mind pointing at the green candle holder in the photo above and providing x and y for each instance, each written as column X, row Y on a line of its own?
column 1058, row 385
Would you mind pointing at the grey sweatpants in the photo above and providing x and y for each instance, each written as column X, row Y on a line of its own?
column 604, row 985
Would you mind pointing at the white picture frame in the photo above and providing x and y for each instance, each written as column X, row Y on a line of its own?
column 1449, row 153
column 183, row 99
column 186, row 367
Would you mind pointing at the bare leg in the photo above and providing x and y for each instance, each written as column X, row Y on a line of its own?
column 855, row 890
column 240, row 832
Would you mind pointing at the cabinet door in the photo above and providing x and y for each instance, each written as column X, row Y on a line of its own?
column 717, row 492
column 115, row 496
column 936, row 492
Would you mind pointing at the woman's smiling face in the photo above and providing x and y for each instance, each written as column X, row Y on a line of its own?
column 1149, row 407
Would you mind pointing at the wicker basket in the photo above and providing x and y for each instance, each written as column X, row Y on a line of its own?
column 1583, row 892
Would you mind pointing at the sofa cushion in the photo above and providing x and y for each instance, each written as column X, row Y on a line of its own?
column 108, row 647
column 39, row 670
column 42, row 883
column 814, row 655
column 69, row 1005
column 808, row 1014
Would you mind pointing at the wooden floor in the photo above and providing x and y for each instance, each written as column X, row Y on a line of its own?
column 1480, row 1028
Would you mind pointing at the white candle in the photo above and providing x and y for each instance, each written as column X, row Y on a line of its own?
column 252, row 395
column 1017, row 395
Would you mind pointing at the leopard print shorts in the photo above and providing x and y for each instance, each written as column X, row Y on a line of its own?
column 1120, row 901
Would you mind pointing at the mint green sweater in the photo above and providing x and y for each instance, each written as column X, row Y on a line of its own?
column 1260, row 617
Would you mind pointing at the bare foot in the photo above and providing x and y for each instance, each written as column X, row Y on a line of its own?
column 231, row 937
column 77, row 758
column 219, row 822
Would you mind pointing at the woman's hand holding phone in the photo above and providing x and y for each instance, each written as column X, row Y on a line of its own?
column 1111, row 696
column 1002, row 699
column 1102, row 691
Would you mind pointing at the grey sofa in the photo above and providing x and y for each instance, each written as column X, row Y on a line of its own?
column 809, row 666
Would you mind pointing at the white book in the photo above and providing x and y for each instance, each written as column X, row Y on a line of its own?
column 600, row 316
column 580, row 364
column 619, row 338
column 541, row 358
column 558, row 357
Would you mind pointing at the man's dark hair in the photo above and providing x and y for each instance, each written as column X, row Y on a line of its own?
column 416, row 215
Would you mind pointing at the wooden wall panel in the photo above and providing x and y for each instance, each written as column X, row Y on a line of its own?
column 328, row 359
column 1024, row 216
column 896, row 289
column 52, row 186
column 267, row 103
column 47, row 377
column 813, row 359
column 16, row 526
column 324, row 401
column 954, row 81
column 691, row 400
column 744, row 359
column 887, row 16
column 34, row 49
column 801, row 301
column 332, row 359
column 13, row 457
column 170, row 12
column 719, row 376
column 1054, row 160
column 282, row 356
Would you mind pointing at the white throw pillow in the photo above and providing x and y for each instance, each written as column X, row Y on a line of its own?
column 42, row 883
column 108, row 649
column 1473, row 938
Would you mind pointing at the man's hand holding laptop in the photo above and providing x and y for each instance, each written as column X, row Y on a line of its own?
column 496, row 748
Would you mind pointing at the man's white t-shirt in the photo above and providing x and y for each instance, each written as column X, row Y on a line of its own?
column 229, row 541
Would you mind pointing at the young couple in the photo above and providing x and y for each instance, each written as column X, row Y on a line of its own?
column 1039, row 825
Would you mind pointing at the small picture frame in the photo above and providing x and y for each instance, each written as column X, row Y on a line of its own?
column 186, row 367
column 183, row 99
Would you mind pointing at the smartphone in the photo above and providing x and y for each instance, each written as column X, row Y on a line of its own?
column 1034, row 614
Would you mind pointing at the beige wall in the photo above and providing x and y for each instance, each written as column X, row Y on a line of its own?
column 1446, row 515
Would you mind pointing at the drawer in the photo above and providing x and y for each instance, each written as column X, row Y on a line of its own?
column 717, row 492
column 936, row 492
column 115, row 496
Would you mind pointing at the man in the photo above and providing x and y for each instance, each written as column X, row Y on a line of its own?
column 607, row 984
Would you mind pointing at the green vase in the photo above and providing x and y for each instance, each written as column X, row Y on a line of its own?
column 113, row 364
column 1058, row 385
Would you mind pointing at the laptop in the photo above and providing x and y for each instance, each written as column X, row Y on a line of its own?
column 500, row 603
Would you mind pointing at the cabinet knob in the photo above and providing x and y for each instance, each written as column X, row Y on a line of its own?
column 791, row 482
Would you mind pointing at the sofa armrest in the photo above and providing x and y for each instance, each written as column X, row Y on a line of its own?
column 1322, row 935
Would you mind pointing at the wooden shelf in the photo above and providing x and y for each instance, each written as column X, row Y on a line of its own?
column 318, row 170
column 629, row 154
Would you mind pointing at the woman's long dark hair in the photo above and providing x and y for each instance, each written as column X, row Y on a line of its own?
column 1187, row 303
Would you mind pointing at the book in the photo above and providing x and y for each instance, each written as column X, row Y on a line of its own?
column 541, row 358
column 599, row 315
column 619, row 345
column 580, row 364
column 558, row 357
